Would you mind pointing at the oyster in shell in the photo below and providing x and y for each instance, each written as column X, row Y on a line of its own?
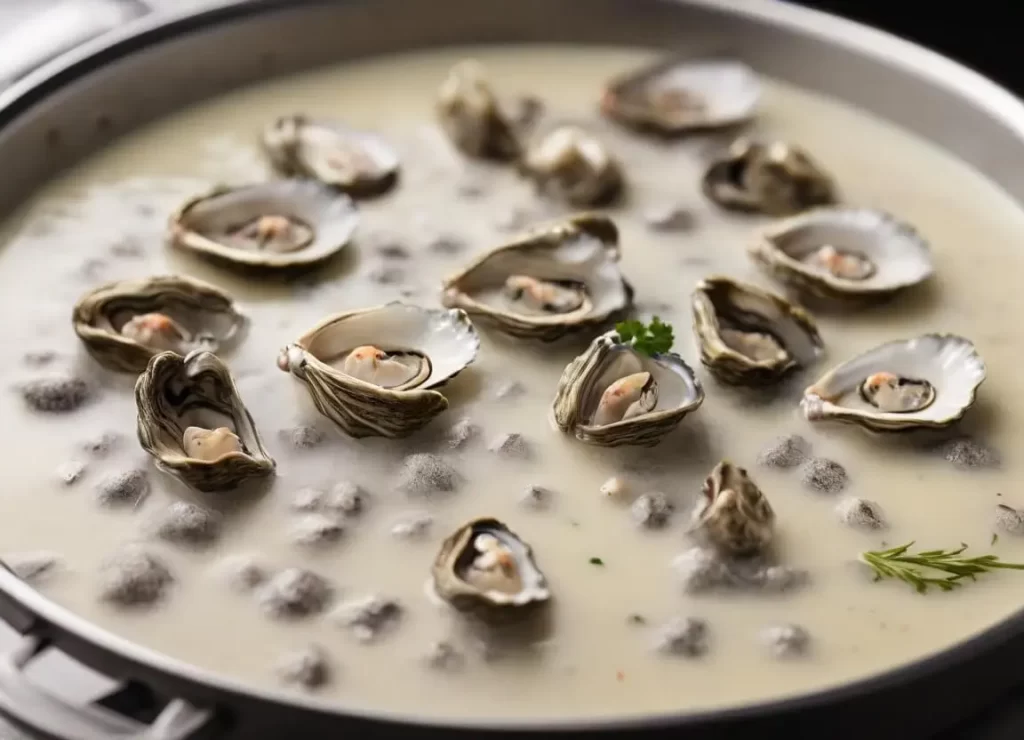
column 280, row 225
column 375, row 372
column 732, row 513
column 574, row 166
column 547, row 283
column 677, row 95
column 748, row 336
column 472, row 117
column 192, row 420
column 777, row 179
column 356, row 162
column 851, row 254
column 926, row 382
column 612, row 395
column 486, row 570
column 124, row 324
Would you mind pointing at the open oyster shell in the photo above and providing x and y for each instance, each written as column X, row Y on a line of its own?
column 280, row 225
column 612, row 395
column 471, row 115
column 486, row 570
column 732, row 513
column 849, row 254
column 677, row 95
column 356, row 162
column 191, row 403
column 124, row 324
column 574, row 166
column 375, row 372
column 547, row 283
column 926, row 382
column 748, row 336
column 777, row 179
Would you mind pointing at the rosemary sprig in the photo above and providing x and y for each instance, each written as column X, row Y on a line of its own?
column 899, row 563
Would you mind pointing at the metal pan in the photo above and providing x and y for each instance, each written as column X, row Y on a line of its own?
column 80, row 101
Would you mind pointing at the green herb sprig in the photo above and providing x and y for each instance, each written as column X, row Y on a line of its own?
column 913, row 569
column 653, row 339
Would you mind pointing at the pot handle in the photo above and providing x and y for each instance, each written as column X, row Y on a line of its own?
column 33, row 709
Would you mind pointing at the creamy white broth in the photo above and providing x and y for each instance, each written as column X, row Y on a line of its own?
column 106, row 220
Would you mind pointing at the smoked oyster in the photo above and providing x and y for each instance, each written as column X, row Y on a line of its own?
column 486, row 570
column 280, row 225
column 547, row 283
column 612, row 395
column 678, row 95
column 191, row 419
column 748, row 336
column 732, row 513
column 851, row 254
column 356, row 162
column 574, row 166
column 124, row 324
column 777, row 179
column 375, row 372
column 926, row 382
column 472, row 117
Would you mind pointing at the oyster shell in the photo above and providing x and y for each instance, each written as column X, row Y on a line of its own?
column 844, row 254
column 181, row 398
column 929, row 381
column 472, row 117
column 612, row 395
column 375, row 371
column 777, row 179
column 280, row 225
column 356, row 162
column 574, row 166
column 677, row 95
column 733, row 514
column 748, row 336
column 547, row 283
column 124, row 324
column 486, row 570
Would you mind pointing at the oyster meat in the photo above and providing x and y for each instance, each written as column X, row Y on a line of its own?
column 472, row 117
column 777, row 179
column 748, row 336
column 677, row 95
column 192, row 421
column 356, row 162
column 280, row 225
column 552, row 281
column 573, row 166
column 612, row 395
column 929, row 381
column 124, row 324
column 376, row 371
column 849, row 254
column 732, row 513
column 485, row 569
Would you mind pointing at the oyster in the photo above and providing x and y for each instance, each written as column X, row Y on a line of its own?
column 124, row 324
column 844, row 253
column 572, row 165
column 191, row 419
column 549, row 282
column 733, row 514
column 748, row 336
column 472, row 116
column 375, row 371
column 356, row 162
column 929, row 381
column 285, row 224
column 612, row 395
column 485, row 569
column 777, row 179
column 677, row 95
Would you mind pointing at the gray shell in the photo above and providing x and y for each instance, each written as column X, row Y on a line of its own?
column 741, row 523
column 573, row 166
column 471, row 115
column 207, row 312
column 176, row 392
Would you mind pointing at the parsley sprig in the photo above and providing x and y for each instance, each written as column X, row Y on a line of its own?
column 653, row 339
column 919, row 570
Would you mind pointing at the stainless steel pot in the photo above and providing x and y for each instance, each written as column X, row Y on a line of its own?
column 80, row 101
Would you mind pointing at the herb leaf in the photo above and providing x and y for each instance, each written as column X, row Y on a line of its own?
column 653, row 339
column 596, row 561
column 920, row 570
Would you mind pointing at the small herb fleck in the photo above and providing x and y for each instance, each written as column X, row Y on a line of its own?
column 637, row 619
column 995, row 538
column 655, row 338
column 596, row 561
